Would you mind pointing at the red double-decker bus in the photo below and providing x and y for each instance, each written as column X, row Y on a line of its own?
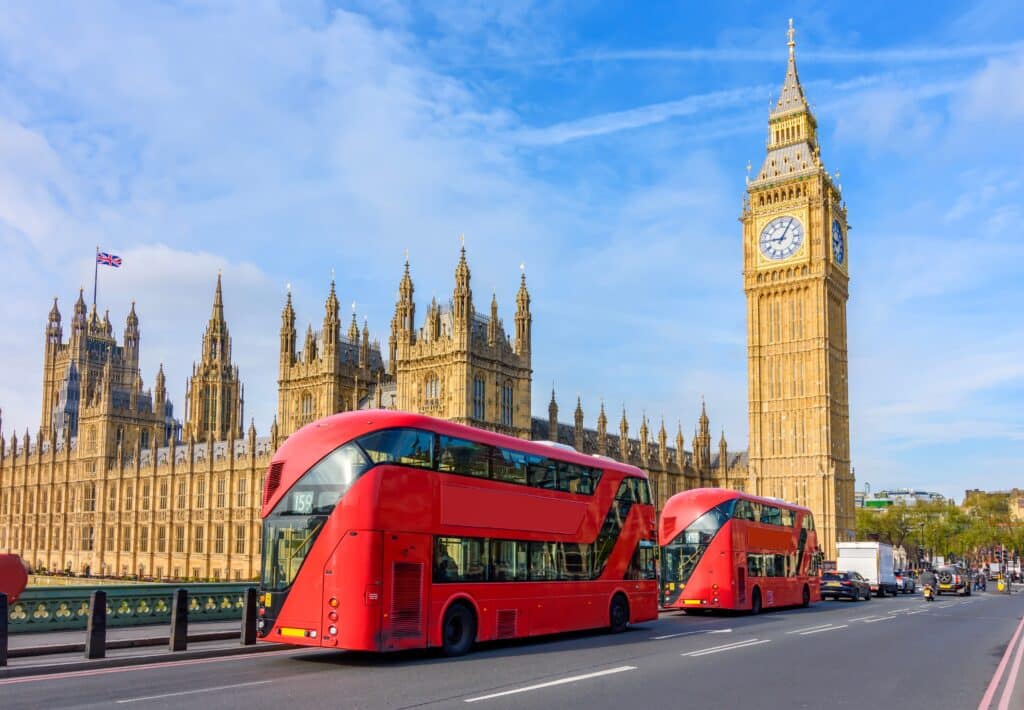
column 385, row 531
column 723, row 549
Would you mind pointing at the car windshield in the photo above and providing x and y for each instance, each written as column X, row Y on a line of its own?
column 833, row 576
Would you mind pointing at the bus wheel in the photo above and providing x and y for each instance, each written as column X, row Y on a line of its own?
column 458, row 630
column 618, row 614
column 755, row 602
column 805, row 599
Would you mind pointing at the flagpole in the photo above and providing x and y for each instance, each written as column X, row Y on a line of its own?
column 95, row 273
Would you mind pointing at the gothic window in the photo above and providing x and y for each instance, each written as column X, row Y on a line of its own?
column 179, row 538
column 307, row 405
column 126, row 538
column 92, row 438
column 209, row 408
column 42, row 539
column 119, row 437
column 201, row 493
column 89, row 496
column 44, row 502
column 87, row 538
column 108, row 539
column 506, row 404
column 221, row 488
column 144, row 439
column 145, row 496
column 129, row 497
column 432, row 390
column 240, row 490
column 163, row 497
column 197, row 539
column 182, row 495
column 478, row 398
column 240, row 539
column 112, row 497
column 144, row 540
column 218, row 539
column 31, row 502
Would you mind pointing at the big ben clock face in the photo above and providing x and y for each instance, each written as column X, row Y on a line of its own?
column 838, row 242
column 782, row 237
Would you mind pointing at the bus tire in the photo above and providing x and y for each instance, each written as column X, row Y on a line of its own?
column 755, row 602
column 458, row 630
column 805, row 598
column 618, row 613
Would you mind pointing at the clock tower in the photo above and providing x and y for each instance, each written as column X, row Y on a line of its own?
column 796, row 281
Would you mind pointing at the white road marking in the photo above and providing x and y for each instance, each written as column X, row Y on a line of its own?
column 193, row 692
column 550, row 683
column 880, row 618
column 861, row 618
column 809, row 628
column 727, row 647
column 691, row 633
column 827, row 628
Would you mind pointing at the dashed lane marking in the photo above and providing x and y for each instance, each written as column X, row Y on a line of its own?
column 691, row 633
column 551, row 683
column 193, row 692
column 727, row 647
column 827, row 628
column 809, row 628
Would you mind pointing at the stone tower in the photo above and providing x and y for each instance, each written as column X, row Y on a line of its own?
column 214, row 400
column 331, row 373
column 462, row 365
column 796, row 282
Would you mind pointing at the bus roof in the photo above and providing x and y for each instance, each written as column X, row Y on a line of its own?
column 700, row 500
column 334, row 430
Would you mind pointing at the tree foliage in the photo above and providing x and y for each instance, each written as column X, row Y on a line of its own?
column 942, row 528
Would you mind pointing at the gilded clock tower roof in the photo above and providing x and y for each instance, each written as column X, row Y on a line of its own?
column 792, row 130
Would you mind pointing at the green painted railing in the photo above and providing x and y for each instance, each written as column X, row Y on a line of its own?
column 61, row 608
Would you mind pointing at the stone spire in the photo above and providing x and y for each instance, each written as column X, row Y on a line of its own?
column 792, row 96
column 524, row 319
column 54, row 330
column 462, row 297
column 723, row 452
column 662, row 444
column 578, row 422
column 364, row 347
column 492, row 325
column 353, row 328
column 332, row 323
column 405, row 308
column 287, row 333
column 131, row 337
column 602, row 432
column 645, row 434
column 78, row 320
column 553, row 418
column 624, row 436
column 680, row 452
column 213, row 395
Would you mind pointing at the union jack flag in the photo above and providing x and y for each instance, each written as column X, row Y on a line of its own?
column 108, row 259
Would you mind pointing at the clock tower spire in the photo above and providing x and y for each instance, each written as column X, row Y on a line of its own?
column 796, row 282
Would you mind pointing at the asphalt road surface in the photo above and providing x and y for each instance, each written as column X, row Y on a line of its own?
column 886, row 653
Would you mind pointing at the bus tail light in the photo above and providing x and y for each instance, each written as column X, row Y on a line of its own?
column 333, row 616
column 333, row 602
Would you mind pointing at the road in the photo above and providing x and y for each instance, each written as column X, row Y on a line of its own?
column 887, row 652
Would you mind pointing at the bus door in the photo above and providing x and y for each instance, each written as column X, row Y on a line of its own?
column 406, row 600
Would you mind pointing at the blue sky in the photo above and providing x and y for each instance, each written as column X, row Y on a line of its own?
column 602, row 145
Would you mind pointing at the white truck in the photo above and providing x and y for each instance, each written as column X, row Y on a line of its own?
column 873, row 561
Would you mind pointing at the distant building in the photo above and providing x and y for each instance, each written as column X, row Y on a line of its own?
column 1014, row 498
column 885, row 499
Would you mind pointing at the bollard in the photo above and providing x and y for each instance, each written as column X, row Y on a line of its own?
column 3, row 629
column 179, row 621
column 96, row 627
column 248, row 636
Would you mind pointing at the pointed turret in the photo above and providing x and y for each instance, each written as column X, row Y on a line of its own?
column 624, row 436
column 108, row 328
column 524, row 319
column 645, row 434
column 662, row 444
column 462, row 296
column 405, row 308
column 353, row 328
column 492, row 325
column 54, row 330
column 680, row 452
column 602, row 432
column 332, row 324
column 309, row 346
column 287, row 332
column 131, row 337
column 364, row 347
column 159, row 391
column 723, row 453
column 578, row 425
column 553, row 417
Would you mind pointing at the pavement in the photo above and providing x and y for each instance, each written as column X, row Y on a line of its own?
column 892, row 652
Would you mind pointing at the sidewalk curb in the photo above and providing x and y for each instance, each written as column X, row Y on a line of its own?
column 166, row 657
column 117, row 643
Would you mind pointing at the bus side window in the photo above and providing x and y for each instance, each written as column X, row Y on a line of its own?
column 508, row 466
column 463, row 457
column 542, row 560
column 743, row 510
column 408, row 447
column 543, row 473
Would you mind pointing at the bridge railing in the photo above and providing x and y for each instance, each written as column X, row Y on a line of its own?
column 62, row 608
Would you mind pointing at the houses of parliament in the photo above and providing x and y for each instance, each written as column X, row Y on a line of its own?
column 112, row 483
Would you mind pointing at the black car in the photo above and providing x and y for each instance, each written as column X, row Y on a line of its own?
column 849, row 585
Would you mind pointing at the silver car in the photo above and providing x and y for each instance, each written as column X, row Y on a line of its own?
column 905, row 582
